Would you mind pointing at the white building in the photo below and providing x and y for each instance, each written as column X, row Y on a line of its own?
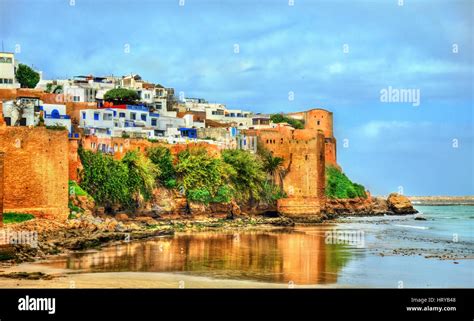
column 97, row 121
column 29, row 110
column 21, row 112
column 55, row 115
column 7, row 70
column 133, row 121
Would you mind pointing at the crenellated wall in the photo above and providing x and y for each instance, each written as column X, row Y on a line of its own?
column 322, row 120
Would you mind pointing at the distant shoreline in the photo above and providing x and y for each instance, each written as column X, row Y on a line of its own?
column 442, row 200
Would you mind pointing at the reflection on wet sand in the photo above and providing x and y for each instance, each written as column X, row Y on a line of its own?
column 279, row 256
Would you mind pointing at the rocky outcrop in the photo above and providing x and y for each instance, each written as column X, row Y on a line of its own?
column 395, row 205
column 356, row 206
column 400, row 204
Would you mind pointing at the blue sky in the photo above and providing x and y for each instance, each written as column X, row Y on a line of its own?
column 427, row 149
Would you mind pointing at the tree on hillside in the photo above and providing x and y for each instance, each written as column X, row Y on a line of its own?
column 26, row 76
column 121, row 96
column 280, row 118
column 272, row 165
column 20, row 107
column 142, row 174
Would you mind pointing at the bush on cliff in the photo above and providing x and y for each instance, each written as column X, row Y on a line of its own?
column 104, row 178
column 338, row 185
column 161, row 157
column 113, row 182
column 200, row 175
column 246, row 176
column 75, row 189
column 142, row 174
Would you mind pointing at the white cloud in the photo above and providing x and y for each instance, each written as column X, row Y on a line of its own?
column 375, row 128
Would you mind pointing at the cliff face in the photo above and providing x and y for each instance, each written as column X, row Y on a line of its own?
column 395, row 204
column 171, row 204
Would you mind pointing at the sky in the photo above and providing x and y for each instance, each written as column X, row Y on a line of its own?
column 283, row 56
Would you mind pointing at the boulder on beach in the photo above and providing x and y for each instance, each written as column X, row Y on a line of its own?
column 400, row 204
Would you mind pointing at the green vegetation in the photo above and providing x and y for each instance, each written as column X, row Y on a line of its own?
column 280, row 118
column 338, row 185
column 142, row 174
column 75, row 189
column 246, row 174
column 13, row 217
column 121, row 96
column 50, row 88
column 200, row 175
column 26, row 76
column 236, row 175
column 112, row 182
column 56, row 127
column 161, row 157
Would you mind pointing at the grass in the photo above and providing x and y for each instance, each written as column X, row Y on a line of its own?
column 338, row 185
column 78, row 191
column 16, row 217
column 56, row 127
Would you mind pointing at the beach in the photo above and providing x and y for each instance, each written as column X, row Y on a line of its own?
column 389, row 252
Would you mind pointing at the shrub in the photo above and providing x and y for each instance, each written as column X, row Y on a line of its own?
column 75, row 189
column 12, row 217
column 338, row 185
column 161, row 156
column 280, row 118
column 56, row 127
column 246, row 173
column 104, row 178
column 142, row 174
column 201, row 175
column 196, row 170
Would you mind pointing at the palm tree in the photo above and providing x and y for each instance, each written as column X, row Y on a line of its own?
column 274, row 167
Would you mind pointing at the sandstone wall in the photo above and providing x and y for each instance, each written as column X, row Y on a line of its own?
column 74, row 160
column 330, row 152
column 2, row 158
column 36, row 171
column 304, row 181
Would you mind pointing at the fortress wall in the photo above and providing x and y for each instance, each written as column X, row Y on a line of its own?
column 74, row 161
column 35, row 171
column 304, row 159
column 2, row 159
column 319, row 119
column 330, row 152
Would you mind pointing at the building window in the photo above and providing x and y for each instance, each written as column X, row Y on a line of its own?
column 122, row 115
column 143, row 117
column 153, row 121
column 133, row 116
column 96, row 116
column 318, row 122
column 83, row 115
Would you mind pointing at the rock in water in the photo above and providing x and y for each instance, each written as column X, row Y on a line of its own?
column 400, row 204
